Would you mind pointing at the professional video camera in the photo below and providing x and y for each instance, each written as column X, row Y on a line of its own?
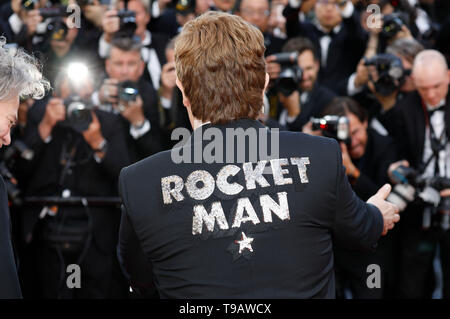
column 411, row 186
column 333, row 126
column 391, row 75
column 291, row 74
column 16, row 150
column 127, row 22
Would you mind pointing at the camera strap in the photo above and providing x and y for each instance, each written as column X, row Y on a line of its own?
column 437, row 143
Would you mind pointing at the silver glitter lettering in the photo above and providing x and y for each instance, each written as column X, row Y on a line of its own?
column 222, row 183
column 175, row 191
column 244, row 204
column 203, row 192
column 201, row 217
column 301, row 164
column 255, row 175
column 269, row 205
column 278, row 172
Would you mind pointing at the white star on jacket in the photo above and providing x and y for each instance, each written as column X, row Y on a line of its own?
column 245, row 243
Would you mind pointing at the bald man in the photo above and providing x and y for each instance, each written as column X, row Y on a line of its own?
column 423, row 134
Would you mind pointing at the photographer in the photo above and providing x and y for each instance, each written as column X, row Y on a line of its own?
column 310, row 98
column 366, row 156
column 132, row 99
column 132, row 22
column 78, row 152
column 423, row 134
column 339, row 35
column 384, row 79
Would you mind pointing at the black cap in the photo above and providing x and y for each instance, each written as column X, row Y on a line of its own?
column 185, row 7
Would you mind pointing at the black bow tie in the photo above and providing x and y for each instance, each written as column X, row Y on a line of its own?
column 431, row 112
column 331, row 34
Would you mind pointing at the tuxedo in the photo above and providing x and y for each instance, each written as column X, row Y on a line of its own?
column 346, row 47
column 408, row 123
column 9, row 287
column 250, row 234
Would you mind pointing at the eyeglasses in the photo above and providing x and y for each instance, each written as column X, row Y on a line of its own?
column 260, row 13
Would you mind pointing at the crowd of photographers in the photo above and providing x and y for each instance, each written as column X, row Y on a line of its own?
column 372, row 74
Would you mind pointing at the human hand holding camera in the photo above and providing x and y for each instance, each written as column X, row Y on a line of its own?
column 93, row 135
column 55, row 112
column 110, row 24
column 393, row 167
column 350, row 168
column 307, row 129
column 108, row 91
column 362, row 75
column 134, row 112
column 272, row 68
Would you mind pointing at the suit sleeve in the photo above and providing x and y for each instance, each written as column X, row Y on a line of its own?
column 356, row 224
column 132, row 259
column 9, row 281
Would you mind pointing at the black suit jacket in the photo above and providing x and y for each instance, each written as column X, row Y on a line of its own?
column 406, row 123
column 373, row 165
column 345, row 50
column 9, row 281
column 291, row 253
column 87, row 178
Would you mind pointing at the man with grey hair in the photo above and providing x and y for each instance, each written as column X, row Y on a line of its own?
column 423, row 135
column 19, row 76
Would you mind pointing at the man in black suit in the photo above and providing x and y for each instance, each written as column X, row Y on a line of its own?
column 20, row 76
column 339, row 35
column 140, row 116
column 421, row 129
column 366, row 157
column 74, row 155
column 310, row 99
column 216, row 230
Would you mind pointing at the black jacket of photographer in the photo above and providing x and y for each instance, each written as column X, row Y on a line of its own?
column 344, row 52
column 316, row 101
column 87, row 178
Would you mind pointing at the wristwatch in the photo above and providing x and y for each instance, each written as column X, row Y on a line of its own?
column 102, row 148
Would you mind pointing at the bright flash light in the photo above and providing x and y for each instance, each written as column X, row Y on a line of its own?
column 77, row 73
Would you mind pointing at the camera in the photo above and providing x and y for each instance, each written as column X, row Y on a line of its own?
column 185, row 7
column 78, row 113
column 392, row 24
column 290, row 75
column 411, row 186
column 17, row 150
column 333, row 126
column 391, row 75
column 127, row 22
column 127, row 91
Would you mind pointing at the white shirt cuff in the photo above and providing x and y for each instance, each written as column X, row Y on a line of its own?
column 295, row 3
column 138, row 132
column 351, row 89
column 15, row 23
column 155, row 10
column 95, row 99
column 166, row 103
column 97, row 158
column 348, row 10
column 291, row 119
column 48, row 139
column 103, row 47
